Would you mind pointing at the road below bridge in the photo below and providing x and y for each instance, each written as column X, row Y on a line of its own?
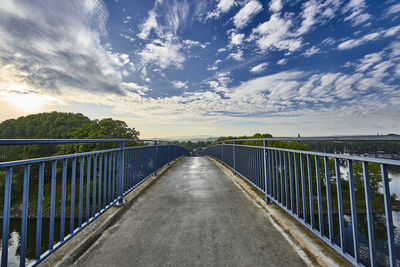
column 194, row 215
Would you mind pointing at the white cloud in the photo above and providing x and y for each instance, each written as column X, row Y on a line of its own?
column 348, row 44
column 259, row 68
column 236, row 56
column 191, row 43
column 317, row 12
column 275, row 34
column 282, row 61
column 246, row 13
column 163, row 54
column 165, row 18
column 311, row 51
column 58, row 50
column 356, row 8
column 393, row 9
column 127, row 37
column 127, row 19
column 173, row 15
column 134, row 87
column 222, row 49
column 214, row 66
column 236, row 38
column 368, row 61
column 148, row 25
column 179, row 84
column 223, row 7
column 275, row 5
column 391, row 31
column 328, row 41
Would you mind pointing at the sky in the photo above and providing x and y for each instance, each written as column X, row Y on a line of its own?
column 205, row 67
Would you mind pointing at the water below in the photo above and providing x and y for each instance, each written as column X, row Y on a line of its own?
column 379, row 226
column 14, row 243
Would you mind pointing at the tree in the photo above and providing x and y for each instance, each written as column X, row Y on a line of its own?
column 374, row 177
column 103, row 129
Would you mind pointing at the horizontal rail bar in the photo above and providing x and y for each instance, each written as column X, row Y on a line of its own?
column 323, row 138
column 68, row 156
column 69, row 141
column 330, row 155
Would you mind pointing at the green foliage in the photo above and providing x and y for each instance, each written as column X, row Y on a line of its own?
column 278, row 144
column 55, row 125
column 355, row 147
column 374, row 177
column 103, row 129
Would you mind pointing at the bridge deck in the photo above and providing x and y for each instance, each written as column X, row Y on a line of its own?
column 193, row 215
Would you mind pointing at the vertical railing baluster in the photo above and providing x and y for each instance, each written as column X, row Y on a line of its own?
column 99, row 206
column 6, row 216
column 388, row 213
column 318, row 178
column 105, row 180
column 328, row 198
column 94, row 185
column 63, row 199
column 234, row 157
column 121, row 172
column 303, row 188
column 370, row 221
column 24, row 223
column 52, row 203
column 73, row 179
column 39, row 212
column 88, row 171
column 273, row 171
column 269, row 172
column 109, row 177
column 291, row 182
column 296, row 178
column 286, row 180
column 281, row 176
column 353, row 211
column 113, row 178
column 80, row 209
column 340, row 203
column 266, row 176
column 310, row 188
column 276, row 191
column 156, row 161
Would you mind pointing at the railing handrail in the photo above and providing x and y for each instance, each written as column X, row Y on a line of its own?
column 323, row 154
column 321, row 138
column 66, row 156
column 69, row 141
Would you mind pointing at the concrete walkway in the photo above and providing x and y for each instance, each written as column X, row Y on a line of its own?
column 193, row 215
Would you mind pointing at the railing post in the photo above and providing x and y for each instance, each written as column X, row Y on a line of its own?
column 222, row 152
column 234, row 157
column 121, row 200
column 266, row 174
column 169, row 155
column 156, row 147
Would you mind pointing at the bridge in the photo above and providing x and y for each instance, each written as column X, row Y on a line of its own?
column 240, row 205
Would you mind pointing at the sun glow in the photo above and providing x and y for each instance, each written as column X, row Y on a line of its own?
column 25, row 99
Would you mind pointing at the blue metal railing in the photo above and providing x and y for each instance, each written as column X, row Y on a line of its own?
column 95, row 181
column 303, row 182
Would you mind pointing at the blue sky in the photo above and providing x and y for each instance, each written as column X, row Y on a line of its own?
column 176, row 67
